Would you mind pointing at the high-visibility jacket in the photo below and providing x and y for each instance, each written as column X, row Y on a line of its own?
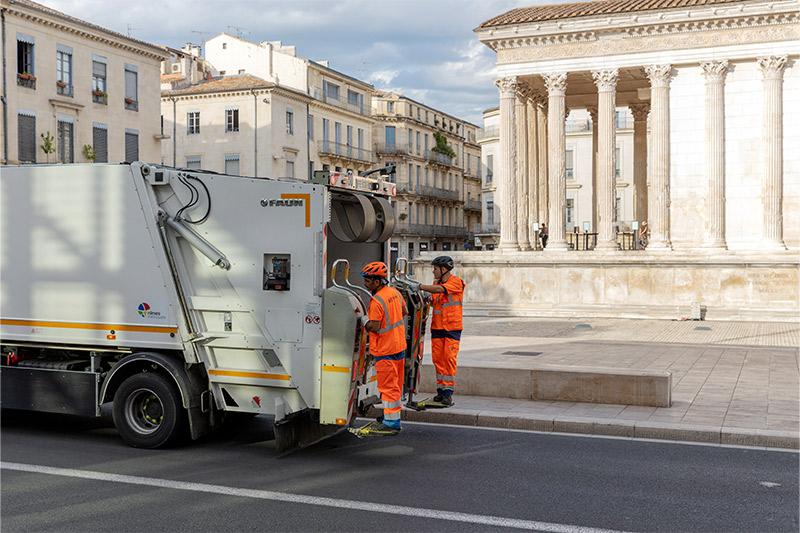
column 447, row 306
column 387, row 308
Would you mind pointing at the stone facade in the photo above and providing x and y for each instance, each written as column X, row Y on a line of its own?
column 711, row 89
column 56, row 90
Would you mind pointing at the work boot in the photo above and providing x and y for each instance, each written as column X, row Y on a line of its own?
column 444, row 400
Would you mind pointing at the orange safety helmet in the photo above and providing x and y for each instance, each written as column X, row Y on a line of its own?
column 376, row 269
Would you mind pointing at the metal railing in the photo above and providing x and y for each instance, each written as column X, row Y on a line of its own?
column 393, row 149
column 433, row 230
column 472, row 205
column 442, row 159
column 490, row 229
column 23, row 81
column 436, row 192
column 65, row 90
column 488, row 133
column 318, row 94
column 344, row 150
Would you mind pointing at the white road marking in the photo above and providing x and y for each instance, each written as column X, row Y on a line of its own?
column 769, row 484
column 494, row 521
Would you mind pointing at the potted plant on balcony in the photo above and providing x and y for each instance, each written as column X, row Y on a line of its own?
column 402, row 216
column 89, row 153
column 27, row 76
column 441, row 145
column 60, row 84
column 48, row 145
column 130, row 101
column 99, row 93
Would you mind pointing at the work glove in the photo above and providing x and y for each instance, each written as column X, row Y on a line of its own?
column 364, row 319
column 414, row 285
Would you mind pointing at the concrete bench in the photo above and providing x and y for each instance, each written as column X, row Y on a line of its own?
column 562, row 383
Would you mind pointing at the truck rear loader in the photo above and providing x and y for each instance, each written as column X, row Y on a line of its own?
column 181, row 296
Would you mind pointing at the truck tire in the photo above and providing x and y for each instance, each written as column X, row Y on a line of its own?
column 148, row 412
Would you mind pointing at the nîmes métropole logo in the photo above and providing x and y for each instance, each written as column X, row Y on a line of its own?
column 145, row 312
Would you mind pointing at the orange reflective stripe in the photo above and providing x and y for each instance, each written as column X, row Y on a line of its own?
column 242, row 374
column 390, row 339
column 331, row 368
column 86, row 325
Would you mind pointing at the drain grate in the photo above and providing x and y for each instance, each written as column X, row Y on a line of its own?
column 583, row 326
column 703, row 328
column 530, row 354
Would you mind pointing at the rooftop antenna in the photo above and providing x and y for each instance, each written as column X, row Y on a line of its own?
column 130, row 30
column 239, row 30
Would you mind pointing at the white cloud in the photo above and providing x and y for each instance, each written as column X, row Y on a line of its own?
column 383, row 77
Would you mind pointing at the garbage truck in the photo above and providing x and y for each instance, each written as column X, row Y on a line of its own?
column 183, row 296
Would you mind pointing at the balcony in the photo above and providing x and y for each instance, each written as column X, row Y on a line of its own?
column 63, row 89
column 442, row 159
column 393, row 149
column 579, row 126
column 489, row 229
column 472, row 205
column 131, row 104
column 345, row 151
column 319, row 94
column 436, row 192
column 488, row 133
column 431, row 230
column 99, row 97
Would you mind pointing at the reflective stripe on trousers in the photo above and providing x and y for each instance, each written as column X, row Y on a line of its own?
column 390, row 385
column 445, row 359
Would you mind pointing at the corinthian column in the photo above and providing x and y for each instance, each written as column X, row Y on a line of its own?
column 506, row 184
column 639, row 112
column 606, row 81
column 556, row 108
column 521, row 116
column 658, row 195
column 592, row 109
column 772, row 188
column 541, row 126
column 533, row 169
column 714, row 72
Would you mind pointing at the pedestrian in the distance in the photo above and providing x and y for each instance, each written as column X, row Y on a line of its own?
column 543, row 235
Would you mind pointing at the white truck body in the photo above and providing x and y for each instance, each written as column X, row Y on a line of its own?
column 105, row 258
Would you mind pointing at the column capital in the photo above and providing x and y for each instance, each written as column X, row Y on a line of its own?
column 508, row 86
column 639, row 111
column 539, row 98
column 524, row 92
column 556, row 83
column 715, row 71
column 772, row 66
column 605, row 80
column 659, row 75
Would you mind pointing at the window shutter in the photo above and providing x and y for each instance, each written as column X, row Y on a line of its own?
column 100, row 144
column 27, row 139
column 130, row 84
column 131, row 147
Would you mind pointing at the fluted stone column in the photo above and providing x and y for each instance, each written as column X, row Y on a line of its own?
column 507, row 162
column 714, row 72
column 521, row 116
column 606, row 82
column 541, row 121
column 658, row 195
column 640, row 112
column 557, row 183
column 533, row 169
column 592, row 109
column 772, row 187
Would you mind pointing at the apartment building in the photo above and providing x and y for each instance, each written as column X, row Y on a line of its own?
column 488, row 237
column 93, row 91
column 438, row 174
column 319, row 118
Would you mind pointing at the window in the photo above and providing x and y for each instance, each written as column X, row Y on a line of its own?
column 193, row 162
column 410, row 139
column 132, row 145
column 410, row 251
column 25, row 65
column 411, row 176
column 390, row 107
column 490, row 213
column 193, row 122
column 232, row 164
column 100, row 143
column 224, row 46
column 289, row 169
column 418, row 138
column 390, row 137
column 231, row 120
column 66, row 141
column 325, row 134
column 310, row 169
column 310, row 127
column 617, row 208
column 570, row 213
column 337, row 136
column 360, row 143
column 99, row 95
column 489, row 168
column 64, row 70
column 349, row 141
column 570, row 164
column 419, row 173
column 131, row 88
column 289, row 122
column 356, row 100
column 330, row 90
column 426, row 144
column 26, row 137
column 617, row 162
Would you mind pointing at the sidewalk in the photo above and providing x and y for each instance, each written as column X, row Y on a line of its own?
column 732, row 382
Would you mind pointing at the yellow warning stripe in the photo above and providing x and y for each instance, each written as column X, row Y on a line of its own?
column 331, row 368
column 84, row 325
column 239, row 374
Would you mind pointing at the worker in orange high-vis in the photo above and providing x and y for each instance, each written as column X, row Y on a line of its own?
column 446, row 326
column 387, row 345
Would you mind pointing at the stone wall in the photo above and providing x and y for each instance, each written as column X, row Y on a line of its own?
column 636, row 285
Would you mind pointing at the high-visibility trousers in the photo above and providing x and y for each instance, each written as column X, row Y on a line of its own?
column 391, row 370
column 444, row 348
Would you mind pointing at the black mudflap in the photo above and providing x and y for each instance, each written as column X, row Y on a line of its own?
column 300, row 430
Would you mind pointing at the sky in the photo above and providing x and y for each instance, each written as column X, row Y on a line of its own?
column 425, row 49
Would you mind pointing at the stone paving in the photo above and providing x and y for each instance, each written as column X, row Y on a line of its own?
column 740, row 377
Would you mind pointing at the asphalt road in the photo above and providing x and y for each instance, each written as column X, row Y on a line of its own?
column 536, row 481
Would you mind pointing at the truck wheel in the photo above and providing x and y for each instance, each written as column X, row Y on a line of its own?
column 148, row 411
